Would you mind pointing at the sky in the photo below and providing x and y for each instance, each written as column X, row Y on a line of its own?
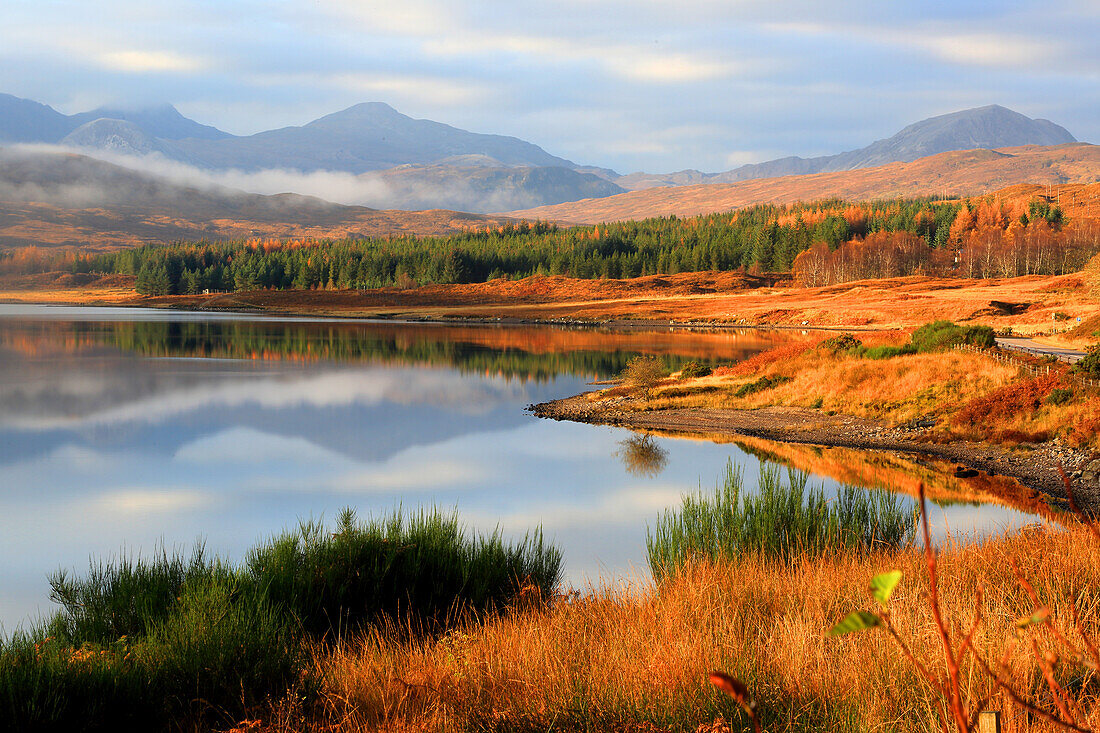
column 654, row 85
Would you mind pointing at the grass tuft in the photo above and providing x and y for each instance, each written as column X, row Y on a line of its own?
column 420, row 568
column 782, row 521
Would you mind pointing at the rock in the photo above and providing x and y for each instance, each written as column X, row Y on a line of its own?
column 1090, row 475
column 964, row 472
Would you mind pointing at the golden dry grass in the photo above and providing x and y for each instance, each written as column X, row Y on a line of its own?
column 1028, row 169
column 634, row 657
column 893, row 303
column 972, row 396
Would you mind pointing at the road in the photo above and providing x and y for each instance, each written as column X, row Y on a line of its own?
column 1037, row 349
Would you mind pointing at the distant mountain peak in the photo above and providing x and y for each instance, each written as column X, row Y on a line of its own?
column 989, row 127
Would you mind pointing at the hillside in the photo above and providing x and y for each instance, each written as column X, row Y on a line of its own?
column 56, row 199
column 986, row 128
column 959, row 173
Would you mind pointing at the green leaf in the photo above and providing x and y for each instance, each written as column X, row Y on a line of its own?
column 855, row 621
column 882, row 586
column 1038, row 617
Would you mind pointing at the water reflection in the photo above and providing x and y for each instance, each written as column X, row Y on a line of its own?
column 642, row 456
column 122, row 429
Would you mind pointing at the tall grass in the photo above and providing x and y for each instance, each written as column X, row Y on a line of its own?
column 214, row 655
column 635, row 657
column 420, row 567
column 175, row 642
column 780, row 520
column 119, row 598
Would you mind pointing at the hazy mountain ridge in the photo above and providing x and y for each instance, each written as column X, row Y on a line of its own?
column 366, row 137
column 955, row 173
column 27, row 121
column 988, row 127
column 420, row 163
column 52, row 198
column 390, row 160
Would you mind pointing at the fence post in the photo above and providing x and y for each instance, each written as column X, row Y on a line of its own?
column 989, row 721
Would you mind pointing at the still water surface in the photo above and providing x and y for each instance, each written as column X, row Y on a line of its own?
column 121, row 429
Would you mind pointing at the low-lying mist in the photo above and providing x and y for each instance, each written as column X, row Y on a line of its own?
column 38, row 176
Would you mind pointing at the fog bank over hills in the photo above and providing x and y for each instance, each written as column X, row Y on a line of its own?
column 421, row 164
column 372, row 155
column 54, row 198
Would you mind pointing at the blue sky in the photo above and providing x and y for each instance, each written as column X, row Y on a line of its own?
column 629, row 84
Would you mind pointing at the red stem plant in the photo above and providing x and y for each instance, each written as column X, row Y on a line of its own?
column 960, row 708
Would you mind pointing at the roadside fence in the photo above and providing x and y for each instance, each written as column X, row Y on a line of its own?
column 999, row 355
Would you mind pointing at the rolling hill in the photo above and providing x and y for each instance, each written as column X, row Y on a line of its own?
column 957, row 173
column 56, row 199
column 987, row 128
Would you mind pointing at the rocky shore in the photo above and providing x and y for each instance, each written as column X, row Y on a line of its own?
column 1033, row 465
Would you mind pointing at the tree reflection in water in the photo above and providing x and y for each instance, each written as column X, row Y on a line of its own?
column 642, row 456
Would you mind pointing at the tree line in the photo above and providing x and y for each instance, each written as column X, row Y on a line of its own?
column 821, row 242
column 985, row 239
column 760, row 238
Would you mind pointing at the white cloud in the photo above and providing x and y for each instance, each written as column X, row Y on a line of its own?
column 986, row 49
column 150, row 501
column 368, row 386
column 407, row 17
column 627, row 61
column 136, row 62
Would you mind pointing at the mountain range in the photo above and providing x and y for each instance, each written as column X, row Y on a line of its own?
column 988, row 127
column 954, row 174
column 420, row 163
column 401, row 162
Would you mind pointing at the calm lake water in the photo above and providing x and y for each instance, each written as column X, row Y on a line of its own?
column 122, row 429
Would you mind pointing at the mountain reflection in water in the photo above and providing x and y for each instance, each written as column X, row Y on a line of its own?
column 121, row 429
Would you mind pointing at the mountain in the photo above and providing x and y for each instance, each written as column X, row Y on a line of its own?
column 26, row 121
column 483, row 186
column 957, row 173
column 119, row 137
column 424, row 164
column 987, row 127
column 419, row 163
column 163, row 121
column 366, row 137
column 49, row 198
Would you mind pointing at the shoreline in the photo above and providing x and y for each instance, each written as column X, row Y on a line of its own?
column 1035, row 466
column 461, row 320
column 1027, row 306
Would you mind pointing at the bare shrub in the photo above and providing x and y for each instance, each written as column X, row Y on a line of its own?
column 643, row 373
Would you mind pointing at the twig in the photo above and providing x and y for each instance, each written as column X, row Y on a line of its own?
column 954, row 697
column 1016, row 698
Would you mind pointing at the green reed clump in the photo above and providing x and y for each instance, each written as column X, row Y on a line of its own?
column 176, row 642
column 421, row 568
column 222, row 650
column 934, row 336
column 120, row 598
column 782, row 521
column 144, row 642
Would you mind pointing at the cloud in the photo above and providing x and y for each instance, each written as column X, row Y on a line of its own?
column 627, row 61
column 986, row 49
column 442, row 89
column 150, row 501
column 366, row 386
column 137, row 62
